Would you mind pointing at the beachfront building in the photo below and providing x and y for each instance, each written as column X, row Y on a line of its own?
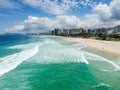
column 81, row 31
column 91, row 31
column 52, row 32
column 101, row 31
column 110, row 31
column 71, row 31
column 61, row 31
column 117, row 29
column 97, row 31
column 66, row 31
column 56, row 31
column 75, row 31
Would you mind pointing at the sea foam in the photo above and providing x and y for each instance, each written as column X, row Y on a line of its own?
column 24, row 46
column 96, row 57
column 101, row 85
column 10, row 62
column 61, row 55
column 66, row 54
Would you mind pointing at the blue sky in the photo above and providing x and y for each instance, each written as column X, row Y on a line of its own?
column 42, row 15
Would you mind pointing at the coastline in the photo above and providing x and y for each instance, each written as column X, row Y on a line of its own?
column 109, row 47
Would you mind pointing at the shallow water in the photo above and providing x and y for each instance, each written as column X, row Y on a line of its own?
column 46, row 63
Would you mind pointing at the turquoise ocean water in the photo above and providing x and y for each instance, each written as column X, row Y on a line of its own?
column 47, row 63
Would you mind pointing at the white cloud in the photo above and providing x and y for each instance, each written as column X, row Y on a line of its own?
column 52, row 6
column 59, row 7
column 103, row 11
column 108, row 12
column 103, row 16
column 90, row 3
column 91, row 21
column 115, row 9
column 16, row 29
column 67, row 21
column 36, row 24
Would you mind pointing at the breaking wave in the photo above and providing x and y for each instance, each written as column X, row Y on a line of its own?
column 101, row 85
column 10, row 62
column 60, row 54
column 91, row 56
column 25, row 46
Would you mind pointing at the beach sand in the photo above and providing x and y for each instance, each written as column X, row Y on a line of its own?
column 111, row 47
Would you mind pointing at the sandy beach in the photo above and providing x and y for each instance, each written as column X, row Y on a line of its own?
column 111, row 47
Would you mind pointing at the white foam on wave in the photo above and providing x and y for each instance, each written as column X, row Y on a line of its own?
column 24, row 46
column 100, row 85
column 70, row 55
column 65, row 53
column 109, row 70
column 92, row 56
column 77, row 56
column 84, row 59
column 50, row 41
column 10, row 62
column 76, row 46
column 61, row 55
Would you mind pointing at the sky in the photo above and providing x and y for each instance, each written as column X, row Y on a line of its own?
column 28, row 16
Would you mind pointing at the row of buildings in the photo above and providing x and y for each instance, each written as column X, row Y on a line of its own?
column 114, row 30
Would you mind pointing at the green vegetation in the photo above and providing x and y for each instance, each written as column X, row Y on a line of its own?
column 99, row 36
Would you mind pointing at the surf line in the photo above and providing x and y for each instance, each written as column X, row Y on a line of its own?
column 110, row 62
column 115, row 65
column 99, row 58
column 10, row 62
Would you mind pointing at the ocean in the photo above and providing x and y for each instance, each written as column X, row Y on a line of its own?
column 29, row 62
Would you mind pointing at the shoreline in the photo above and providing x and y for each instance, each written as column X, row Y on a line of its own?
column 108, row 47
